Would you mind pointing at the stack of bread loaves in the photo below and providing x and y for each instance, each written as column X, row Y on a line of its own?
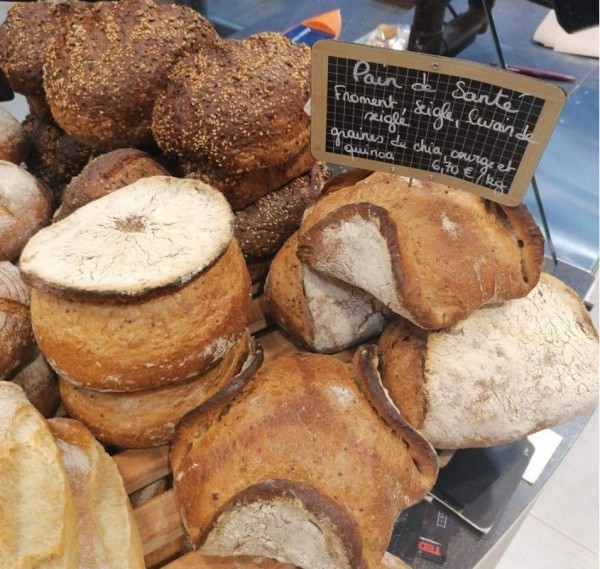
column 139, row 302
column 62, row 499
column 234, row 115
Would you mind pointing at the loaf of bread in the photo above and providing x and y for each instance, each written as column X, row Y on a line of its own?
column 148, row 418
column 140, row 288
column 25, row 207
column 38, row 526
column 17, row 346
column 238, row 107
column 13, row 142
column 107, row 534
column 103, row 73
column 324, row 314
column 430, row 253
column 261, row 478
column 105, row 174
column 499, row 375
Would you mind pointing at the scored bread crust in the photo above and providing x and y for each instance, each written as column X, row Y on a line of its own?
column 156, row 233
column 38, row 526
column 107, row 533
column 431, row 253
column 240, row 106
column 109, row 345
column 319, row 407
column 148, row 418
column 499, row 375
column 105, row 174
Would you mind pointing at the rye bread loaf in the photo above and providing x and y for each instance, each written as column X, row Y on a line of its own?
column 140, row 288
column 13, row 142
column 246, row 188
column 103, row 73
column 38, row 526
column 17, row 345
column 263, row 227
column 238, row 107
column 105, row 174
column 25, row 207
column 322, row 313
column 107, row 533
column 430, row 253
column 261, row 478
column 148, row 418
column 499, row 375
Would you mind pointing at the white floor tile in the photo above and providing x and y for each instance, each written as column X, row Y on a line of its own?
column 569, row 500
column 539, row 546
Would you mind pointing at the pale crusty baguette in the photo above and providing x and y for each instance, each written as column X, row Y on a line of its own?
column 322, row 313
column 430, row 253
column 498, row 375
column 106, row 530
column 38, row 522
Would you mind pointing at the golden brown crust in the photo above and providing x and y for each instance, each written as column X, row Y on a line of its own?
column 105, row 174
column 13, row 142
column 246, row 188
column 38, row 381
column 103, row 74
column 148, row 418
column 126, row 346
column 238, row 107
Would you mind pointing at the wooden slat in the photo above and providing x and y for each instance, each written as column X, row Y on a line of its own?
column 140, row 467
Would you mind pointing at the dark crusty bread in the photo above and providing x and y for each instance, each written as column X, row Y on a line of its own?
column 105, row 174
column 238, row 107
column 430, row 253
column 54, row 157
column 246, row 188
column 500, row 374
column 263, row 227
column 102, row 75
column 148, row 418
column 323, row 314
column 261, row 478
column 13, row 142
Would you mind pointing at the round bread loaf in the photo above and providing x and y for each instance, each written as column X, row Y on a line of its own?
column 54, row 157
column 261, row 479
column 140, row 288
column 38, row 516
column 102, row 75
column 263, row 227
column 148, row 418
column 239, row 107
column 16, row 336
column 104, row 175
column 246, row 188
column 13, row 142
column 25, row 207
column 40, row 384
column 500, row 374
column 107, row 533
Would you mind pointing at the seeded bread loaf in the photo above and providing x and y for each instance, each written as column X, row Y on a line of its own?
column 270, row 484
column 38, row 526
column 430, row 253
column 499, row 375
column 107, row 534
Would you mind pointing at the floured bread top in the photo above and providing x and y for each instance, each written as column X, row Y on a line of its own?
column 154, row 233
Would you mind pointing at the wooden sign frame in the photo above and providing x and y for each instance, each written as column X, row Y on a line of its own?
column 549, row 97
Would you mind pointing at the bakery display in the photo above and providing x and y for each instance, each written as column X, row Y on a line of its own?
column 104, row 72
column 499, row 375
column 105, row 174
column 430, row 253
column 25, row 207
column 38, row 515
column 107, row 534
column 13, row 142
column 269, row 480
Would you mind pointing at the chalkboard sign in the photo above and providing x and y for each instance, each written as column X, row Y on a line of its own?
column 454, row 122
